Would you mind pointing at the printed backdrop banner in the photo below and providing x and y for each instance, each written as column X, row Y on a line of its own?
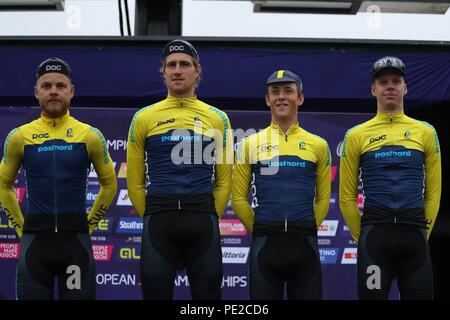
column 116, row 242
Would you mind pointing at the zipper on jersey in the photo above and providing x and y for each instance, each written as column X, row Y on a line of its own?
column 178, row 190
column 55, row 187
column 393, row 172
column 285, row 194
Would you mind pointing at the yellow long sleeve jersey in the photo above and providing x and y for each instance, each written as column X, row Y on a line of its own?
column 179, row 156
column 56, row 155
column 398, row 161
column 289, row 179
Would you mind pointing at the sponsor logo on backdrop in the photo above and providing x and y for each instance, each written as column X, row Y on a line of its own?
column 339, row 149
column 235, row 241
column 5, row 223
column 230, row 281
column 230, row 227
column 134, row 239
column 333, row 173
column 93, row 174
column 102, row 252
column 129, row 253
column 233, row 255
column 234, row 281
column 333, row 200
column 181, row 281
column 123, row 199
column 116, row 279
column 360, row 201
column 9, row 250
column 328, row 228
column 229, row 212
column 323, row 242
column 349, row 256
column 122, row 171
column 104, row 225
column 91, row 195
column 328, row 255
column 130, row 225
column 117, row 144
column 20, row 193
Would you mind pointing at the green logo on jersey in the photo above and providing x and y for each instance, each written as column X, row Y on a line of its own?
column 302, row 145
column 69, row 132
column 407, row 135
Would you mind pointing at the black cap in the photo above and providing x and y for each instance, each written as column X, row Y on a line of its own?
column 53, row 65
column 285, row 76
column 385, row 63
column 180, row 46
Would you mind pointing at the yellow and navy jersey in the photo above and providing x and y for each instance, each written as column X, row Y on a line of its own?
column 397, row 159
column 56, row 155
column 177, row 157
column 289, row 179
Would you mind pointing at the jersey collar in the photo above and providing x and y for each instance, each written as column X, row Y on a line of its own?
column 390, row 117
column 181, row 102
column 55, row 122
column 292, row 130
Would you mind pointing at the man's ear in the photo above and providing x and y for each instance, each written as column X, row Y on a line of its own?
column 372, row 89
column 301, row 98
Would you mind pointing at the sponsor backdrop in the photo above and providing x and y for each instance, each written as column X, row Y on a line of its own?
column 116, row 242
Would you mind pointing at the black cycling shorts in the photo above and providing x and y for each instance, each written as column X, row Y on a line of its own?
column 64, row 257
column 285, row 258
column 388, row 251
column 176, row 240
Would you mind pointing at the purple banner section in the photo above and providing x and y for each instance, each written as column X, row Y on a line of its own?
column 116, row 242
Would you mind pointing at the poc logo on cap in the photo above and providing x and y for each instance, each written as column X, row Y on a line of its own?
column 52, row 68
column 176, row 48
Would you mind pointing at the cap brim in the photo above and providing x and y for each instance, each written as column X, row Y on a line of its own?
column 282, row 80
column 391, row 69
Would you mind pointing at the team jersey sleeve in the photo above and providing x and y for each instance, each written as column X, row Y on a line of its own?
column 433, row 179
column 323, row 183
column 241, row 181
column 348, row 184
column 135, row 163
column 104, row 167
column 9, row 167
column 224, row 165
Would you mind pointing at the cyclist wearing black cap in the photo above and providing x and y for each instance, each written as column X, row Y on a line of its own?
column 56, row 152
column 398, row 163
column 288, row 172
column 179, row 180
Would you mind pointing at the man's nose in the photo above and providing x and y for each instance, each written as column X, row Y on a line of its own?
column 53, row 90
column 177, row 68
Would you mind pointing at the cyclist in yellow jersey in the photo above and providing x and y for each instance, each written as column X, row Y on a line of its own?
column 56, row 152
column 287, row 170
column 398, row 162
column 179, row 181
